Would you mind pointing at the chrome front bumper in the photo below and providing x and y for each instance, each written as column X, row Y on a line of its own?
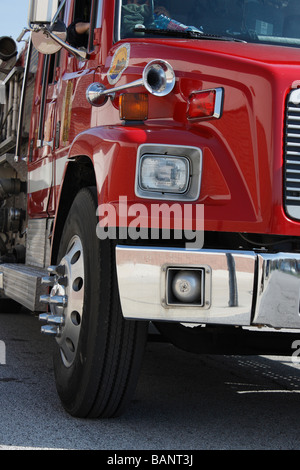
column 239, row 288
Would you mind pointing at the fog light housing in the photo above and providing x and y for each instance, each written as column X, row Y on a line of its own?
column 164, row 173
column 185, row 286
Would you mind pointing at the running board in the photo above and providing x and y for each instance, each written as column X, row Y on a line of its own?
column 23, row 284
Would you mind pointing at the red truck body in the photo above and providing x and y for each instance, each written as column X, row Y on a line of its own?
column 236, row 196
column 162, row 185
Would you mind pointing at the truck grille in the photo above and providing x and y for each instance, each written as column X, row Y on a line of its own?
column 292, row 155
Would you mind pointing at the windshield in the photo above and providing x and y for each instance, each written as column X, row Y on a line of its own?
column 266, row 21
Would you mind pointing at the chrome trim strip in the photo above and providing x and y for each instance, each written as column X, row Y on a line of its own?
column 296, row 118
column 77, row 52
column 218, row 103
column 18, row 155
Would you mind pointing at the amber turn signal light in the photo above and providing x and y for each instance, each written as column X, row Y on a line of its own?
column 133, row 106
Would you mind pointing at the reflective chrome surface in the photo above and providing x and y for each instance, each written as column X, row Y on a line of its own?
column 50, row 41
column 292, row 155
column 22, row 283
column 66, row 301
column 158, row 78
column 186, row 286
column 193, row 154
column 95, row 95
column 73, row 261
column 239, row 288
column 278, row 291
column 42, row 11
column 227, row 292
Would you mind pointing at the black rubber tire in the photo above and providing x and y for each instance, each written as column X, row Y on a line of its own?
column 103, row 377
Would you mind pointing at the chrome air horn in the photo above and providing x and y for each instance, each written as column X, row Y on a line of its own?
column 158, row 78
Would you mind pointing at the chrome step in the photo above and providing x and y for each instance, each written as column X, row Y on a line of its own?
column 23, row 284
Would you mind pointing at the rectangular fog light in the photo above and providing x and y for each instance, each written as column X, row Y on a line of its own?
column 164, row 173
column 185, row 286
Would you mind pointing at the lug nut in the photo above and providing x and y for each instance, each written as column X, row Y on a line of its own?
column 63, row 281
column 58, row 300
column 52, row 319
column 50, row 330
column 45, row 299
column 58, row 270
column 43, row 316
column 55, row 320
column 48, row 281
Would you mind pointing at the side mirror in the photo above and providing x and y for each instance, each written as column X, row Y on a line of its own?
column 43, row 22
column 42, row 11
column 48, row 33
column 44, row 42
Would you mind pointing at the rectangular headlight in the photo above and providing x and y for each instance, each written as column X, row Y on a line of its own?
column 164, row 173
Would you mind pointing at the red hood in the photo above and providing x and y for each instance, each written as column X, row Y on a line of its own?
column 265, row 53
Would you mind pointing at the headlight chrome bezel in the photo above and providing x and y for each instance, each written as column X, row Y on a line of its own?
column 192, row 158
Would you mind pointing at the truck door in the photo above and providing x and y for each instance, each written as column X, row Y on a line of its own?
column 42, row 144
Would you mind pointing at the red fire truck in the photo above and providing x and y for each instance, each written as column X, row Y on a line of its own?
column 150, row 174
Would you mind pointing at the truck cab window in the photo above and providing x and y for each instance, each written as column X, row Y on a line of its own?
column 253, row 21
column 80, row 30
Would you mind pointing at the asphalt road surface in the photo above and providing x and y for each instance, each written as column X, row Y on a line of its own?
column 183, row 401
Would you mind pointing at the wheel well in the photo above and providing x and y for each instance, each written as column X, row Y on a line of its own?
column 80, row 174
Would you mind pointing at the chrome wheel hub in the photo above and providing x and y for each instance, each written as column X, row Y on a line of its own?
column 66, row 301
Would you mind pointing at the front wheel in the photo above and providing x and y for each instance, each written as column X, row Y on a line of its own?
column 98, row 354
